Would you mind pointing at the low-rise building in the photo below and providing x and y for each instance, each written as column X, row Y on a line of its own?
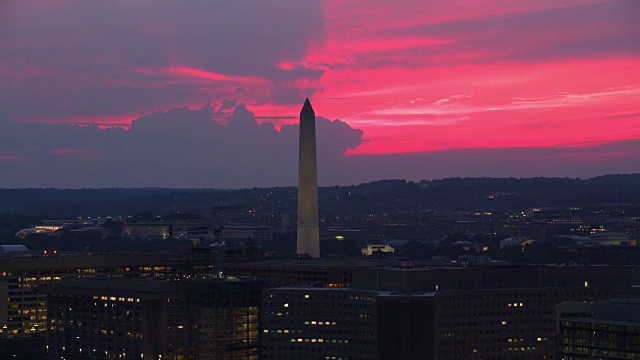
column 141, row 230
column 372, row 248
column 254, row 232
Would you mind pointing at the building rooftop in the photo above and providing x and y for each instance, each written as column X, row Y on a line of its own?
column 12, row 248
column 338, row 290
column 141, row 288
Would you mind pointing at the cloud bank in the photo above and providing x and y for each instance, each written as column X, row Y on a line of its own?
column 181, row 147
column 226, row 147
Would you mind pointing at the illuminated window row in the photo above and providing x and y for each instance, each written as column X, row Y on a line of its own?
column 113, row 298
column 333, row 323
column 337, row 341
column 522, row 340
column 281, row 331
column 522, row 348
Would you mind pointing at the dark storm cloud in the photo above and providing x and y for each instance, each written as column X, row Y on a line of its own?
column 89, row 57
column 177, row 148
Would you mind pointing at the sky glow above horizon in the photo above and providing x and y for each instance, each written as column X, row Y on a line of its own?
column 413, row 77
column 497, row 74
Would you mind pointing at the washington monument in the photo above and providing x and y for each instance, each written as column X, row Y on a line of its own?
column 308, row 232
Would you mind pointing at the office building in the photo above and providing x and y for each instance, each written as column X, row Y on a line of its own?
column 602, row 330
column 23, row 306
column 333, row 274
column 326, row 323
column 109, row 319
column 221, row 317
column 250, row 232
column 447, row 312
column 199, row 319
column 225, row 214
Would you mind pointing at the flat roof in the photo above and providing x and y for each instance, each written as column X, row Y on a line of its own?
column 338, row 290
column 589, row 319
column 140, row 288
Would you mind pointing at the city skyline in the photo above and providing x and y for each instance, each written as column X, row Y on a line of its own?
column 206, row 94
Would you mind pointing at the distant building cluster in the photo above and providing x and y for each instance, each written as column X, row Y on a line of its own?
column 154, row 319
column 199, row 230
column 78, row 225
column 216, row 230
column 212, row 303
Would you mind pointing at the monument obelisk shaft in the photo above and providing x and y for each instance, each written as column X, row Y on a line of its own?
column 308, row 231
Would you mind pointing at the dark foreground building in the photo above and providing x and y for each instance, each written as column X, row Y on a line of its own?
column 109, row 319
column 204, row 319
column 317, row 322
column 325, row 323
column 221, row 318
column 488, row 312
column 605, row 330
column 23, row 306
column 504, row 323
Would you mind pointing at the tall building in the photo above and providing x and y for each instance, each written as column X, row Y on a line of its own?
column 318, row 323
column 308, row 232
column 222, row 318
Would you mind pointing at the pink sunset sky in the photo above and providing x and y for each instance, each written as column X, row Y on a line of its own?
column 421, row 89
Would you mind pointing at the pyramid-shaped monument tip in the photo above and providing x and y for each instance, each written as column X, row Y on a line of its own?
column 306, row 108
